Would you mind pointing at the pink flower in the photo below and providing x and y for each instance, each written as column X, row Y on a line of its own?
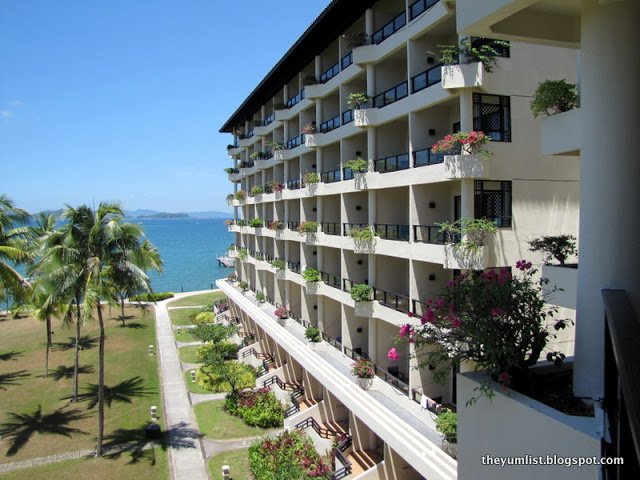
column 393, row 354
column 410, row 314
column 455, row 321
column 523, row 265
column 497, row 312
column 504, row 378
column 428, row 317
column 405, row 330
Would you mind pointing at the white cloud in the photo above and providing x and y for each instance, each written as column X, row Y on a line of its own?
column 15, row 103
column 6, row 114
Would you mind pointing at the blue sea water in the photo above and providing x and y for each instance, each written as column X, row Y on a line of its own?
column 189, row 248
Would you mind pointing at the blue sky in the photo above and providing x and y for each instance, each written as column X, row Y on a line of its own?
column 123, row 99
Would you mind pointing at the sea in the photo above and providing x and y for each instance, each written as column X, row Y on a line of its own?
column 189, row 248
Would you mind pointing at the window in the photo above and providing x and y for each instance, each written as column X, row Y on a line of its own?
column 492, row 115
column 492, row 200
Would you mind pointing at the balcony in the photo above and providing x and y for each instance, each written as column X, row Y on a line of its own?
column 294, row 184
column 391, row 164
column 391, row 300
column 428, row 234
column 347, row 116
column 330, row 228
column 329, row 125
column 418, row 8
column 463, row 76
column 295, row 142
column 331, row 279
column 389, row 28
column 392, row 95
column 392, row 232
column 466, row 166
column 330, row 176
column 329, row 73
column 426, row 157
column 346, row 60
column 561, row 133
column 297, row 98
column 426, row 79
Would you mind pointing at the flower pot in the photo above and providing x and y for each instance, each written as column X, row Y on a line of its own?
column 282, row 321
column 450, row 448
column 281, row 274
column 363, row 309
column 360, row 180
column 312, row 288
column 364, row 383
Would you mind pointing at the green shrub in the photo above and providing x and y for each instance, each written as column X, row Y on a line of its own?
column 241, row 195
column 447, row 424
column 212, row 379
column 357, row 100
column 554, row 96
column 313, row 334
column 260, row 297
column 361, row 292
column 308, row 227
column 243, row 253
column 311, row 178
column 357, row 165
column 206, row 308
column 362, row 234
column 256, row 223
column 244, row 286
column 311, row 275
column 213, row 332
column 559, row 247
column 204, row 318
column 257, row 190
column 258, row 408
column 470, row 233
column 290, row 455
column 468, row 52
column 152, row 297
column 230, row 197
column 224, row 350
column 278, row 264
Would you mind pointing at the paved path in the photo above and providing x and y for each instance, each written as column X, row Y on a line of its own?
column 185, row 445
column 205, row 397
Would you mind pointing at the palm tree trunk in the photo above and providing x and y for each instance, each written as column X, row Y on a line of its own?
column 122, row 309
column 100, row 383
column 76, row 360
column 46, row 357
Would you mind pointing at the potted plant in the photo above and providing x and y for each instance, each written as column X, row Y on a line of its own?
column 230, row 198
column 472, row 143
column 257, row 190
column 559, row 247
column 447, row 425
column 244, row 286
column 554, row 96
column 243, row 253
column 311, row 275
column 260, row 298
column 364, row 239
column 279, row 264
column 230, row 170
column 357, row 100
column 276, row 146
column 241, row 222
column 311, row 178
column 313, row 334
column 277, row 187
column 276, row 225
column 467, row 233
column 464, row 319
column 308, row 228
column 230, row 146
column 364, row 371
column 309, row 128
column 254, row 156
column 358, row 165
column 467, row 51
column 281, row 313
column 361, row 292
column 256, row 223
column 232, row 277
column 241, row 195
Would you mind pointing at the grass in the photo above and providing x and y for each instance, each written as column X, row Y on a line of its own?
column 185, row 335
column 237, row 460
column 215, row 423
column 193, row 387
column 197, row 300
column 188, row 354
column 24, row 390
column 183, row 316
column 106, row 468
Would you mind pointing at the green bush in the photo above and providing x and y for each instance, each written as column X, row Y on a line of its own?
column 213, row 332
column 308, row 227
column 206, row 308
column 362, row 234
column 258, row 408
column 290, row 455
column 554, row 96
column 311, row 177
column 313, row 334
column 361, row 292
column 243, row 285
column 224, row 350
column 256, row 223
column 357, row 165
column 260, row 297
column 243, row 253
column 559, row 247
column 212, row 379
column 447, row 424
column 204, row 318
column 241, row 195
column 152, row 297
column 278, row 264
column 357, row 100
column 311, row 275
column 257, row 190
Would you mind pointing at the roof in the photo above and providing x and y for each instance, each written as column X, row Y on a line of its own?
column 335, row 19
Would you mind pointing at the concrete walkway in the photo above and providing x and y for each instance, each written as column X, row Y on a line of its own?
column 205, row 397
column 185, row 446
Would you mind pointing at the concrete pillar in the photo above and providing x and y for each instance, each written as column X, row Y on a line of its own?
column 320, row 300
column 372, row 346
column 371, row 144
column 318, row 66
column 609, row 177
column 285, row 132
column 466, row 110
column 368, row 21
column 371, row 80
column 318, row 112
column 262, row 115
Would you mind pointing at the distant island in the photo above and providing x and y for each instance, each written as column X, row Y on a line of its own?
column 165, row 215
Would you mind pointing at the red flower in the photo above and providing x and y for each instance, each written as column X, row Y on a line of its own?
column 504, row 378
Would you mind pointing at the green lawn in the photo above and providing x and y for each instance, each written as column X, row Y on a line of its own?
column 24, row 391
column 183, row 316
column 197, row 300
column 188, row 354
column 193, row 387
column 214, row 422
column 185, row 335
column 236, row 459
column 100, row 469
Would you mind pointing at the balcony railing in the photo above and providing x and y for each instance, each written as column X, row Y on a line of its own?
column 355, row 353
column 330, row 177
column 392, row 95
column 347, row 227
column 391, row 300
column 250, row 133
column 330, row 72
column 293, row 225
column 392, row 231
column 347, row 116
column 389, row 28
column 330, row 228
column 392, row 164
column 293, row 184
column 347, row 174
column 428, row 234
column 346, row 60
column 419, row 7
column 331, row 279
column 394, row 378
column 418, row 308
column 294, row 266
column 348, row 284
column 247, row 164
column 329, row 125
column 268, row 119
column 427, row 78
column 267, row 188
column 426, row 157
column 295, row 141
column 335, row 342
column 295, row 99
column 266, row 155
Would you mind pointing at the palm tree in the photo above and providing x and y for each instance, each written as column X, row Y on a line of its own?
column 47, row 305
column 12, row 249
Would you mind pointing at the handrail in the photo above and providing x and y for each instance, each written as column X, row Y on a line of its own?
column 330, row 228
column 330, row 176
column 392, row 163
column 346, row 227
column 330, row 279
column 278, row 381
column 388, row 29
column 426, row 79
column 346, row 60
column 295, row 99
column 330, row 124
column 391, row 95
column 392, row 379
column 426, row 157
column 268, row 119
column 419, row 7
column 347, row 116
column 390, row 231
column 293, row 184
column 345, row 471
column 622, row 389
column 428, row 234
column 322, row 432
column 391, row 300
column 330, row 72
